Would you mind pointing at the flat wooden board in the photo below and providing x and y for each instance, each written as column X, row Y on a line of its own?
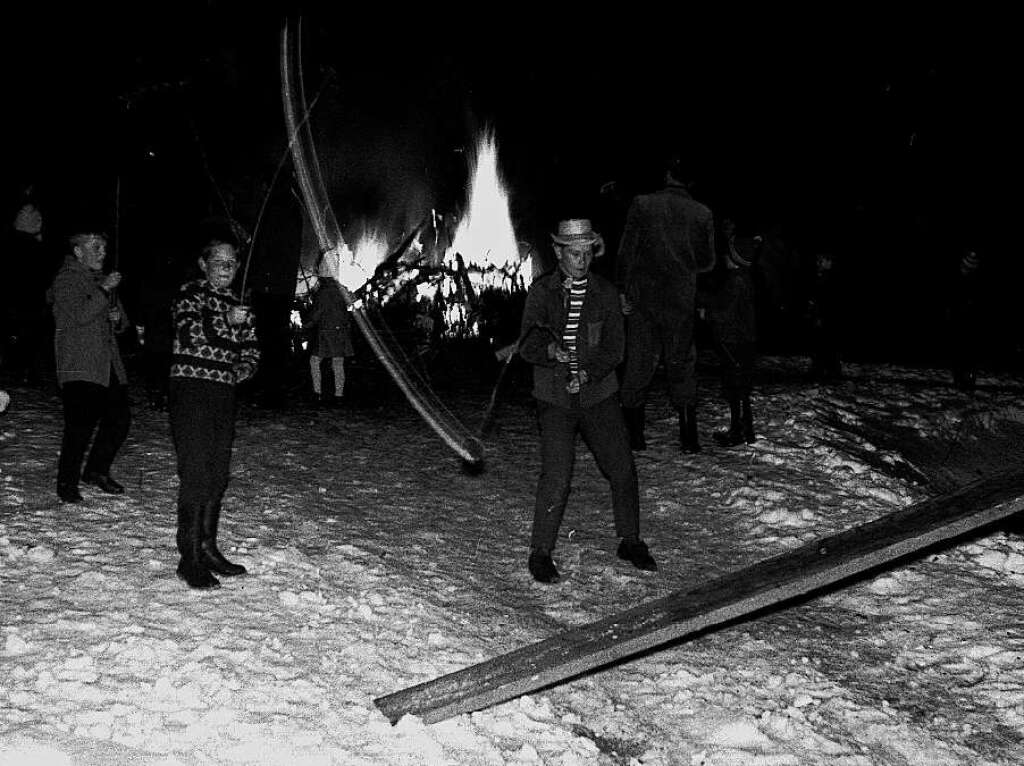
column 770, row 583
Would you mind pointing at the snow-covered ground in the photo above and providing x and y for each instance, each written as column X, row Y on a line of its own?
column 375, row 564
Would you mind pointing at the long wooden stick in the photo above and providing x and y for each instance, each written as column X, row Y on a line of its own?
column 882, row 543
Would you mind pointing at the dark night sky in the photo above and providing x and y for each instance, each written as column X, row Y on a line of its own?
column 803, row 120
column 772, row 119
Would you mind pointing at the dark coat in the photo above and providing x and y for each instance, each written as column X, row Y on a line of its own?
column 85, row 344
column 731, row 308
column 668, row 239
column 330, row 319
column 600, row 346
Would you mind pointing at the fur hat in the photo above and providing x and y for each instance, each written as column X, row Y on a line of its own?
column 578, row 231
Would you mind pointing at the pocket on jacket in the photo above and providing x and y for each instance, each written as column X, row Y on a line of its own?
column 594, row 333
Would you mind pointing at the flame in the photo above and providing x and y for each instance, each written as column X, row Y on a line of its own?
column 485, row 236
column 354, row 268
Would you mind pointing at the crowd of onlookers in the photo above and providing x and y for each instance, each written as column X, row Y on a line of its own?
column 596, row 328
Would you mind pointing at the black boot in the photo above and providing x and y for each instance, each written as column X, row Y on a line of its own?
column 635, row 418
column 688, row 429
column 635, row 551
column 542, row 567
column 210, row 555
column 734, row 435
column 747, row 417
column 191, row 569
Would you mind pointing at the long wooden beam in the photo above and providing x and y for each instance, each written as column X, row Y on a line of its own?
column 812, row 567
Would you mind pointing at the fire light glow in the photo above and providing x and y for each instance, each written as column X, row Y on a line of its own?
column 485, row 236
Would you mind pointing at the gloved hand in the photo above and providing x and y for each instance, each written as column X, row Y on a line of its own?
column 237, row 315
column 243, row 371
column 557, row 352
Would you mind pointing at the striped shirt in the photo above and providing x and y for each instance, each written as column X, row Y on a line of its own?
column 577, row 290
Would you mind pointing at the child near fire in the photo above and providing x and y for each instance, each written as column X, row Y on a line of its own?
column 214, row 350
column 331, row 338
column 572, row 333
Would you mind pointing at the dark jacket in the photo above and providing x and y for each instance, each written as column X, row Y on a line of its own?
column 330, row 319
column 730, row 306
column 668, row 239
column 206, row 347
column 85, row 346
column 600, row 344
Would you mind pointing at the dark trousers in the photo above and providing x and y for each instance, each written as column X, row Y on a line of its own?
column 273, row 329
column 825, row 358
column 669, row 338
column 203, row 430
column 736, row 365
column 604, row 431
column 86, row 406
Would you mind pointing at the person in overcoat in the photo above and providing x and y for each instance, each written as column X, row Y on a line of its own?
column 93, row 383
column 668, row 239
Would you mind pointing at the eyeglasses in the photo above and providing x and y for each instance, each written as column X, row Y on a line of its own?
column 221, row 264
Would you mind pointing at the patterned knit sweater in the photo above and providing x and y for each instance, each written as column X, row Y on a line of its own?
column 206, row 347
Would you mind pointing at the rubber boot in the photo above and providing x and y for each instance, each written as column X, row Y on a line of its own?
column 688, row 440
column 210, row 555
column 542, row 567
column 191, row 569
column 747, row 417
column 635, row 418
column 734, row 435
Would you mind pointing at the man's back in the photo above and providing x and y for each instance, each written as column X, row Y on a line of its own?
column 668, row 239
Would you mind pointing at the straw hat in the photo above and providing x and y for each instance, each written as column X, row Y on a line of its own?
column 578, row 231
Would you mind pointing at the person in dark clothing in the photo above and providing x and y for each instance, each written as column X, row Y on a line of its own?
column 667, row 241
column 823, row 313
column 964, row 317
column 728, row 298
column 572, row 334
column 156, row 297
column 90, row 373
column 26, row 321
column 332, row 336
column 214, row 349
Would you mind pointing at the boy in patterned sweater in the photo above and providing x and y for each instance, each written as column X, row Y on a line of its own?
column 215, row 349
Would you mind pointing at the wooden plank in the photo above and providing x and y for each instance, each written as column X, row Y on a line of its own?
column 770, row 583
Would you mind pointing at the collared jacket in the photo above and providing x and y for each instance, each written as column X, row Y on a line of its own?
column 668, row 239
column 85, row 346
column 600, row 343
column 205, row 346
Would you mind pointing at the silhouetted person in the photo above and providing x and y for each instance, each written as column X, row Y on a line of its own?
column 331, row 339
column 156, row 297
column 25, row 318
column 728, row 295
column 667, row 241
column 965, row 321
column 824, row 315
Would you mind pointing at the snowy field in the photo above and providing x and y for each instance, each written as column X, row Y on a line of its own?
column 376, row 564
